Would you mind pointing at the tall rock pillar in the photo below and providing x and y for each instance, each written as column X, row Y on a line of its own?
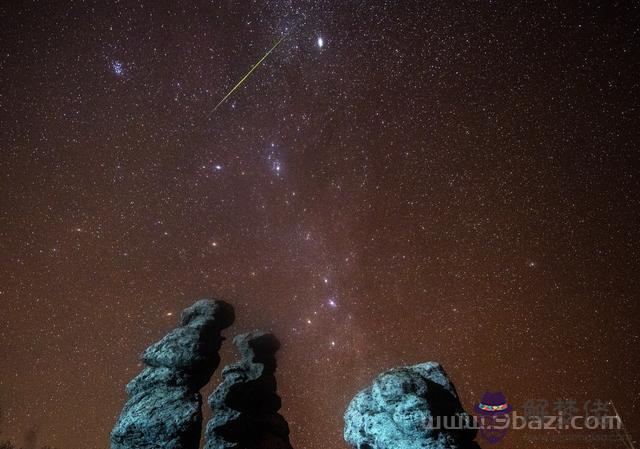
column 246, row 403
column 164, row 410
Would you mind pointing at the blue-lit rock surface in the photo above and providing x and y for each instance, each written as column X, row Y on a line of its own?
column 394, row 413
column 164, row 410
column 246, row 403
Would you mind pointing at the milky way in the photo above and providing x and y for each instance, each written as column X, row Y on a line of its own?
column 397, row 182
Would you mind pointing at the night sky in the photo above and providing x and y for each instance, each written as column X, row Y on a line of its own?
column 397, row 182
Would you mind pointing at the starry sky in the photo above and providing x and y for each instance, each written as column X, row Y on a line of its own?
column 397, row 182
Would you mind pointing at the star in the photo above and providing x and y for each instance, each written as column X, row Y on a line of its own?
column 320, row 42
column 272, row 157
column 117, row 67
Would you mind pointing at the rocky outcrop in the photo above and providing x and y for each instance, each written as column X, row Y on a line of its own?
column 395, row 412
column 246, row 404
column 164, row 410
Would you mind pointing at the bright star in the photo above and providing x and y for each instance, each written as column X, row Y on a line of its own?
column 117, row 67
column 332, row 303
column 217, row 167
column 320, row 42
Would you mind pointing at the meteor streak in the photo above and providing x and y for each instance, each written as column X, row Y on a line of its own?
column 255, row 66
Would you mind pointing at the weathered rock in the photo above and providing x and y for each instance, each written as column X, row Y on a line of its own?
column 164, row 410
column 395, row 412
column 245, row 404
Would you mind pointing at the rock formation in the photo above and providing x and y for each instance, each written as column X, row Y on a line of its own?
column 164, row 406
column 394, row 413
column 246, row 404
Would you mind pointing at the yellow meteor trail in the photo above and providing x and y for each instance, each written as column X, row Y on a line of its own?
column 255, row 66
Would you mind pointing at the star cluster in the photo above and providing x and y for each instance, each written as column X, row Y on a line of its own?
column 397, row 182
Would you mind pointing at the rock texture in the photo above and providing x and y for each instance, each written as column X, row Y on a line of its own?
column 164, row 410
column 395, row 411
column 246, row 404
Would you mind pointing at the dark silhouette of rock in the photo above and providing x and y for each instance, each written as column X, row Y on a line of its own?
column 164, row 410
column 394, row 413
column 245, row 404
